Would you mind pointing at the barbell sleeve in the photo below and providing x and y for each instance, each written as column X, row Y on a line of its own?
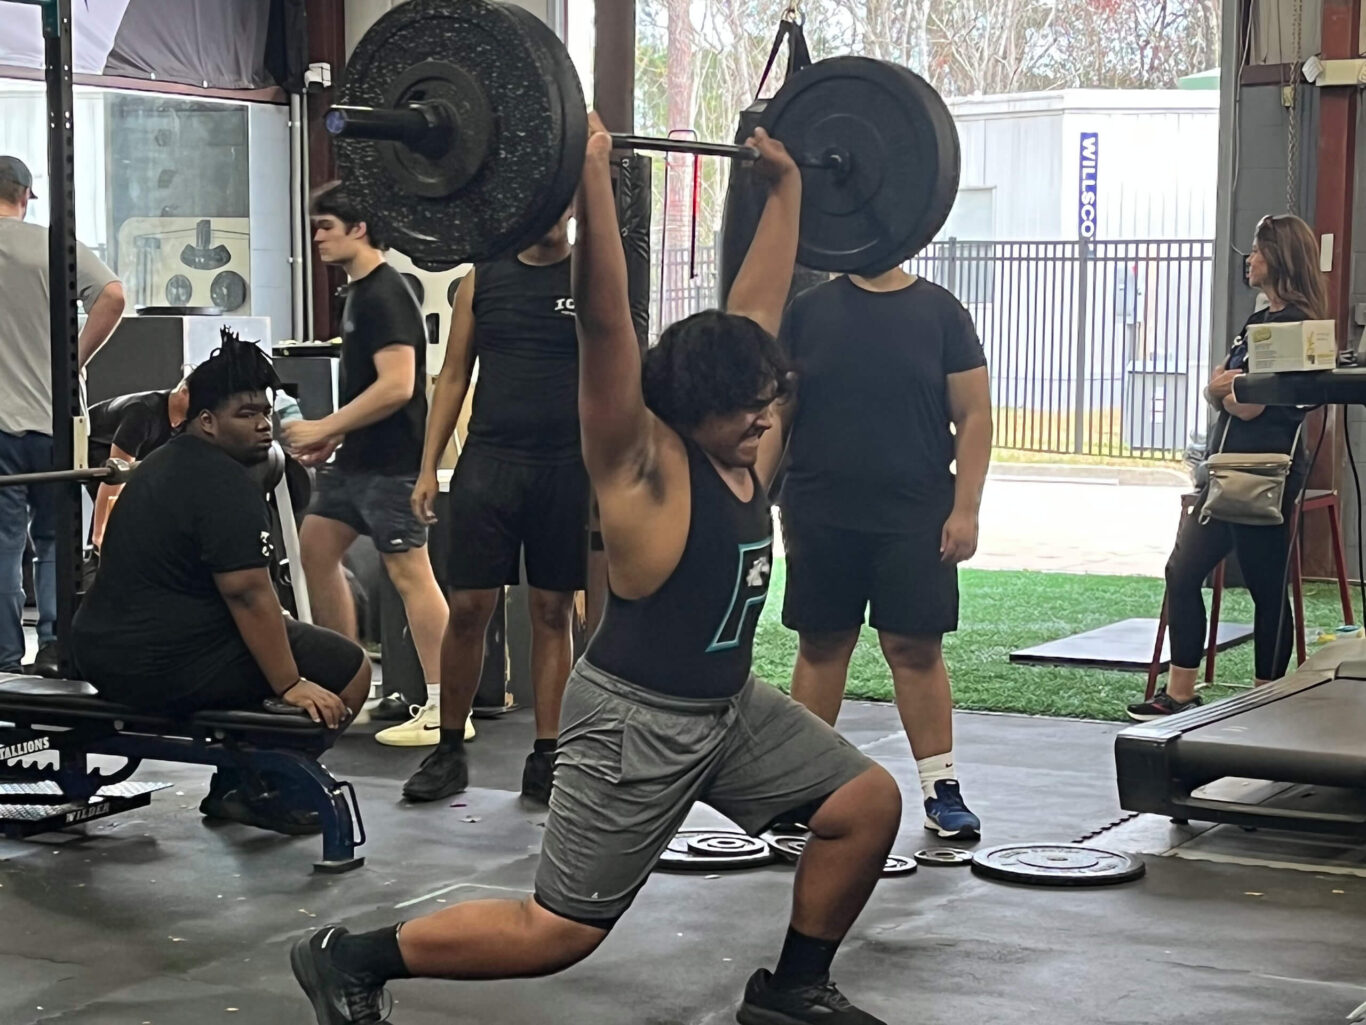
column 401, row 124
column 114, row 471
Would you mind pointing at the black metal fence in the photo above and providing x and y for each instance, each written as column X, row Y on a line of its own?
column 1096, row 348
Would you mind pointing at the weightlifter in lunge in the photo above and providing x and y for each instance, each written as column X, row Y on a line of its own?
column 519, row 487
column 663, row 710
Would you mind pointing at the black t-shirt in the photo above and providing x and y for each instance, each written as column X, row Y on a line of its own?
column 526, row 404
column 381, row 311
column 190, row 511
column 139, row 424
column 1275, row 429
column 872, row 446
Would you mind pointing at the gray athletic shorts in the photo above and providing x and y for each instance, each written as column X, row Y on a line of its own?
column 632, row 762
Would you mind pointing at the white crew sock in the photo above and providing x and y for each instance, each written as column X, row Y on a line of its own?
column 433, row 695
column 934, row 769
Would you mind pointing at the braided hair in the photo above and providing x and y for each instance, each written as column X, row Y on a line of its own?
column 234, row 368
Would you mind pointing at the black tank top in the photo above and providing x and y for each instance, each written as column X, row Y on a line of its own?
column 694, row 637
column 526, row 398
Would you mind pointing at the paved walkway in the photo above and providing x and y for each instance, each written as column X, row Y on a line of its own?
column 1077, row 527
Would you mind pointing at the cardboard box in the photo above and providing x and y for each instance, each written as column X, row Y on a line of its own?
column 1281, row 348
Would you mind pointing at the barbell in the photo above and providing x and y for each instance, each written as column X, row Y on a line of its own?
column 268, row 472
column 461, row 131
column 112, row 471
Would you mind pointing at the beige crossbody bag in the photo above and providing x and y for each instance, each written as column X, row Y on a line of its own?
column 1247, row 487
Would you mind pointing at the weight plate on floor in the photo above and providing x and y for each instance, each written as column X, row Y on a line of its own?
column 943, row 856
column 787, row 846
column 521, row 165
column 727, row 845
column 899, row 866
column 712, row 850
column 901, row 156
column 1057, row 864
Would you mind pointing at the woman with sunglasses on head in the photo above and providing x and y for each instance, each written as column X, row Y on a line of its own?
column 1284, row 267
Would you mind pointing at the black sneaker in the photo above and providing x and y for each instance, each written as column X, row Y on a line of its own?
column 45, row 663
column 392, row 708
column 1161, row 706
column 443, row 773
column 820, row 1003
column 538, row 775
column 338, row 998
column 260, row 812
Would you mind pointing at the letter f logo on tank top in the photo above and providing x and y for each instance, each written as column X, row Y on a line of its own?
column 754, row 567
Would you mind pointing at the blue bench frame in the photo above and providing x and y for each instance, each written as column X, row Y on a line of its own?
column 67, row 718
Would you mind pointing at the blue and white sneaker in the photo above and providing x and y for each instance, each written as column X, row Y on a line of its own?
column 947, row 815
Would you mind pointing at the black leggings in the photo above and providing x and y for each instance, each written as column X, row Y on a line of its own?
column 1262, row 557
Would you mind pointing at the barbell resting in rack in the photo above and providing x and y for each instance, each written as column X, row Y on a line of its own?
column 112, row 471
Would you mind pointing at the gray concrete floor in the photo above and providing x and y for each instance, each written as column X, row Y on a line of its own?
column 155, row 919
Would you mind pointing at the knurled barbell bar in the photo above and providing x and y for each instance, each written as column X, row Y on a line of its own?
column 112, row 471
column 462, row 126
column 431, row 128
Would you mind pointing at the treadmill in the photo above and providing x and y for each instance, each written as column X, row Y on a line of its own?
column 1290, row 755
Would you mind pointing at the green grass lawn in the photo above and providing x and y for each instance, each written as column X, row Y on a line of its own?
column 1003, row 611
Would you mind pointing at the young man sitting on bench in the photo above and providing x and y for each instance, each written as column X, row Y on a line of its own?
column 182, row 615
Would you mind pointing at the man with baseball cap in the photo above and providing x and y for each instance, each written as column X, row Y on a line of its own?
column 26, row 403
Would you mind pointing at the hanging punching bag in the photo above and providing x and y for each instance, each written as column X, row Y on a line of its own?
column 633, row 193
column 746, row 194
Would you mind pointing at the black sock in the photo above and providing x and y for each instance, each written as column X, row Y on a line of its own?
column 545, row 746
column 372, row 956
column 453, row 740
column 804, row 959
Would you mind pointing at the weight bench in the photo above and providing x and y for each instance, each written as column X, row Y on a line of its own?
column 40, row 717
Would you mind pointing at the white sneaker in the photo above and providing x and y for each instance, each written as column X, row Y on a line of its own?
column 422, row 730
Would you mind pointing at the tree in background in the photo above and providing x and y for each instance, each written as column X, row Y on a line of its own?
column 699, row 61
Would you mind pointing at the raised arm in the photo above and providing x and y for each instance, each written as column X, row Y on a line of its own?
column 615, row 424
column 761, row 287
column 448, row 397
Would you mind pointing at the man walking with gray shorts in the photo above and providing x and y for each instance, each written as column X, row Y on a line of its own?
column 663, row 711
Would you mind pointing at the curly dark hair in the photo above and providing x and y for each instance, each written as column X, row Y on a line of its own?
column 234, row 367
column 713, row 363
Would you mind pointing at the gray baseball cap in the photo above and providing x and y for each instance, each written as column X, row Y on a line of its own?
column 12, row 169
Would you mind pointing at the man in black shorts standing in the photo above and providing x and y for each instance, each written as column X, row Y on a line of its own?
column 894, row 390
column 663, row 710
column 183, row 615
column 377, row 436
column 519, row 487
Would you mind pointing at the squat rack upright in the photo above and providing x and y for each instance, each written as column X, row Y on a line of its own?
column 63, row 327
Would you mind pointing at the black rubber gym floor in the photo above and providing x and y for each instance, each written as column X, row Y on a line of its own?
column 155, row 919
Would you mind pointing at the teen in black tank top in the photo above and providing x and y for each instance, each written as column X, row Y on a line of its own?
column 694, row 637
column 526, row 404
